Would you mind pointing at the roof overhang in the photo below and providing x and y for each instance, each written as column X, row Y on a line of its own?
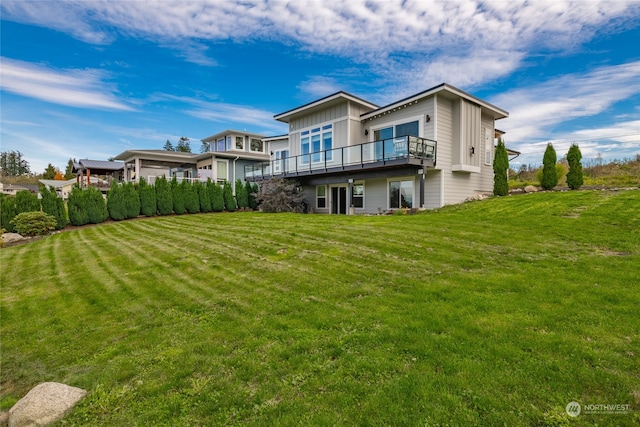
column 167, row 156
column 447, row 90
column 228, row 132
column 322, row 103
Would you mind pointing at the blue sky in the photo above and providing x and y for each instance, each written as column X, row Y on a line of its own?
column 92, row 79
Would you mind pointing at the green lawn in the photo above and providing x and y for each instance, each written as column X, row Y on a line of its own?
column 497, row 312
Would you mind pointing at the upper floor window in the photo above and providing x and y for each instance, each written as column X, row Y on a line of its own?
column 318, row 143
column 256, row 145
column 239, row 143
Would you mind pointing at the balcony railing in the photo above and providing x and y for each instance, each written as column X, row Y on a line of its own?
column 388, row 152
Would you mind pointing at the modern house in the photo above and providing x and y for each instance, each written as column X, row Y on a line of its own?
column 425, row 151
column 351, row 156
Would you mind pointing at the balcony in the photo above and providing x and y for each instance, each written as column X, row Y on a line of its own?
column 393, row 152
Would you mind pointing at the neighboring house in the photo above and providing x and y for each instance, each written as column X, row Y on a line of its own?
column 351, row 156
column 12, row 189
column 425, row 151
column 229, row 153
column 62, row 187
column 85, row 169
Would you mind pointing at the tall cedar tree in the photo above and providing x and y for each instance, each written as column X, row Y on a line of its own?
column 147, row 198
column 217, row 197
column 7, row 212
column 95, row 205
column 131, row 200
column 177, row 191
column 26, row 201
column 191, row 199
column 54, row 206
column 229, row 200
column 242, row 197
column 251, row 196
column 68, row 171
column 116, row 202
column 255, row 190
column 49, row 172
column 164, row 196
column 574, row 176
column 549, row 172
column 77, row 207
column 203, row 196
column 500, row 168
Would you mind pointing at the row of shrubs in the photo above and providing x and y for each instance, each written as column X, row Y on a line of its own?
column 88, row 206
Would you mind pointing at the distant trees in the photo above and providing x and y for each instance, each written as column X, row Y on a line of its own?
column 12, row 164
column 49, row 172
column 500, row 168
column 168, row 146
column 574, row 176
column 68, row 172
column 549, row 177
column 183, row 145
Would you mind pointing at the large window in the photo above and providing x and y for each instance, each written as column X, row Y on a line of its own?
column 221, row 172
column 316, row 144
column 321, row 196
column 220, row 145
column 239, row 143
column 400, row 194
column 279, row 165
column 357, row 195
column 256, row 145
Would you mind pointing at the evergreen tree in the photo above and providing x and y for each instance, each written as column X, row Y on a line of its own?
column 49, row 172
column 549, row 172
column 177, row 191
column 574, row 176
column 77, row 207
column 147, row 193
column 203, row 196
column 131, row 200
column 217, row 198
column 500, row 168
column 7, row 212
column 242, row 197
column 54, row 206
column 168, row 146
column 251, row 195
column 183, row 145
column 68, row 172
column 26, row 201
column 95, row 206
column 229, row 200
column 191, row 199
column 12, row 164
column 164, row 198
column 116, row 202
column 255, row 191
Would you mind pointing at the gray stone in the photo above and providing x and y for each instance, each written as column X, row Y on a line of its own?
column 12, row 237
column 44, row 404
column 530, row 189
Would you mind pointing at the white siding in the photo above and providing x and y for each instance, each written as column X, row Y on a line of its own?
column 325, row 115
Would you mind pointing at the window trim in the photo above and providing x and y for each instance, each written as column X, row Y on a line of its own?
column 393, row 123
column 318, row 197
column 239, row 139
column 218, row 179
column 251, row 139
column 353, row 196
column 401, row 179
column 324, row 133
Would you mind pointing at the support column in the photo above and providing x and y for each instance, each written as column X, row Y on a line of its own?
column 421, row 173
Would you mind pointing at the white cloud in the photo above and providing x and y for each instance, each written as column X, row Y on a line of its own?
column 76, row 88
column 320, row 86
column 470, row 42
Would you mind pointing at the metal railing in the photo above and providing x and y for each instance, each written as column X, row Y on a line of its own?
column 369, row 154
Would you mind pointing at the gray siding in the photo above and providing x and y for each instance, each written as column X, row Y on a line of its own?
column 278, row 145
column 412, row 112
column 322, row 116
column 340, row 133
column 432, row 189
column 375, row 195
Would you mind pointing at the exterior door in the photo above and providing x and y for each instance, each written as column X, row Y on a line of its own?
column 339, row 200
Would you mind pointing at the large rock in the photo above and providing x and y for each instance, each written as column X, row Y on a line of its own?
column 530, row 189
column 12, row 237
column 44, row 404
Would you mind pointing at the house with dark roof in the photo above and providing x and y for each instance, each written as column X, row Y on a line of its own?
column 351, row 156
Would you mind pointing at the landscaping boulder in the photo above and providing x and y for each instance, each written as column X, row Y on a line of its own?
column 44, row 404
column 530, row 189
column 11, row 237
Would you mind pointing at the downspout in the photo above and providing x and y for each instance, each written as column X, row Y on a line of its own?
column 234, row 175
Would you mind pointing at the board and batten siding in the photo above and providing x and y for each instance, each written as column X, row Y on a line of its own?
column 432, row 189
column 325, row 115
column 279, row 145
column 417, row 111
column 375, row 195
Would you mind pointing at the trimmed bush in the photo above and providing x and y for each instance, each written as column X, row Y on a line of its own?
column 177, row 192
column 500, row 168
column 131, row 200
column 242, row 197
column 574, row 176
column 251, row 196
column 116, row 202
column 77, row 208
column 203, row 196
column 549, row 173
column 35, row 223
column 164, row 196
column 217, row 198
column 191, row 199
column 54, row 206
column 26, row 201
column 7, row 212
column 95, row 205
column 147, row 193
column 229, row 200
column 280, row 195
